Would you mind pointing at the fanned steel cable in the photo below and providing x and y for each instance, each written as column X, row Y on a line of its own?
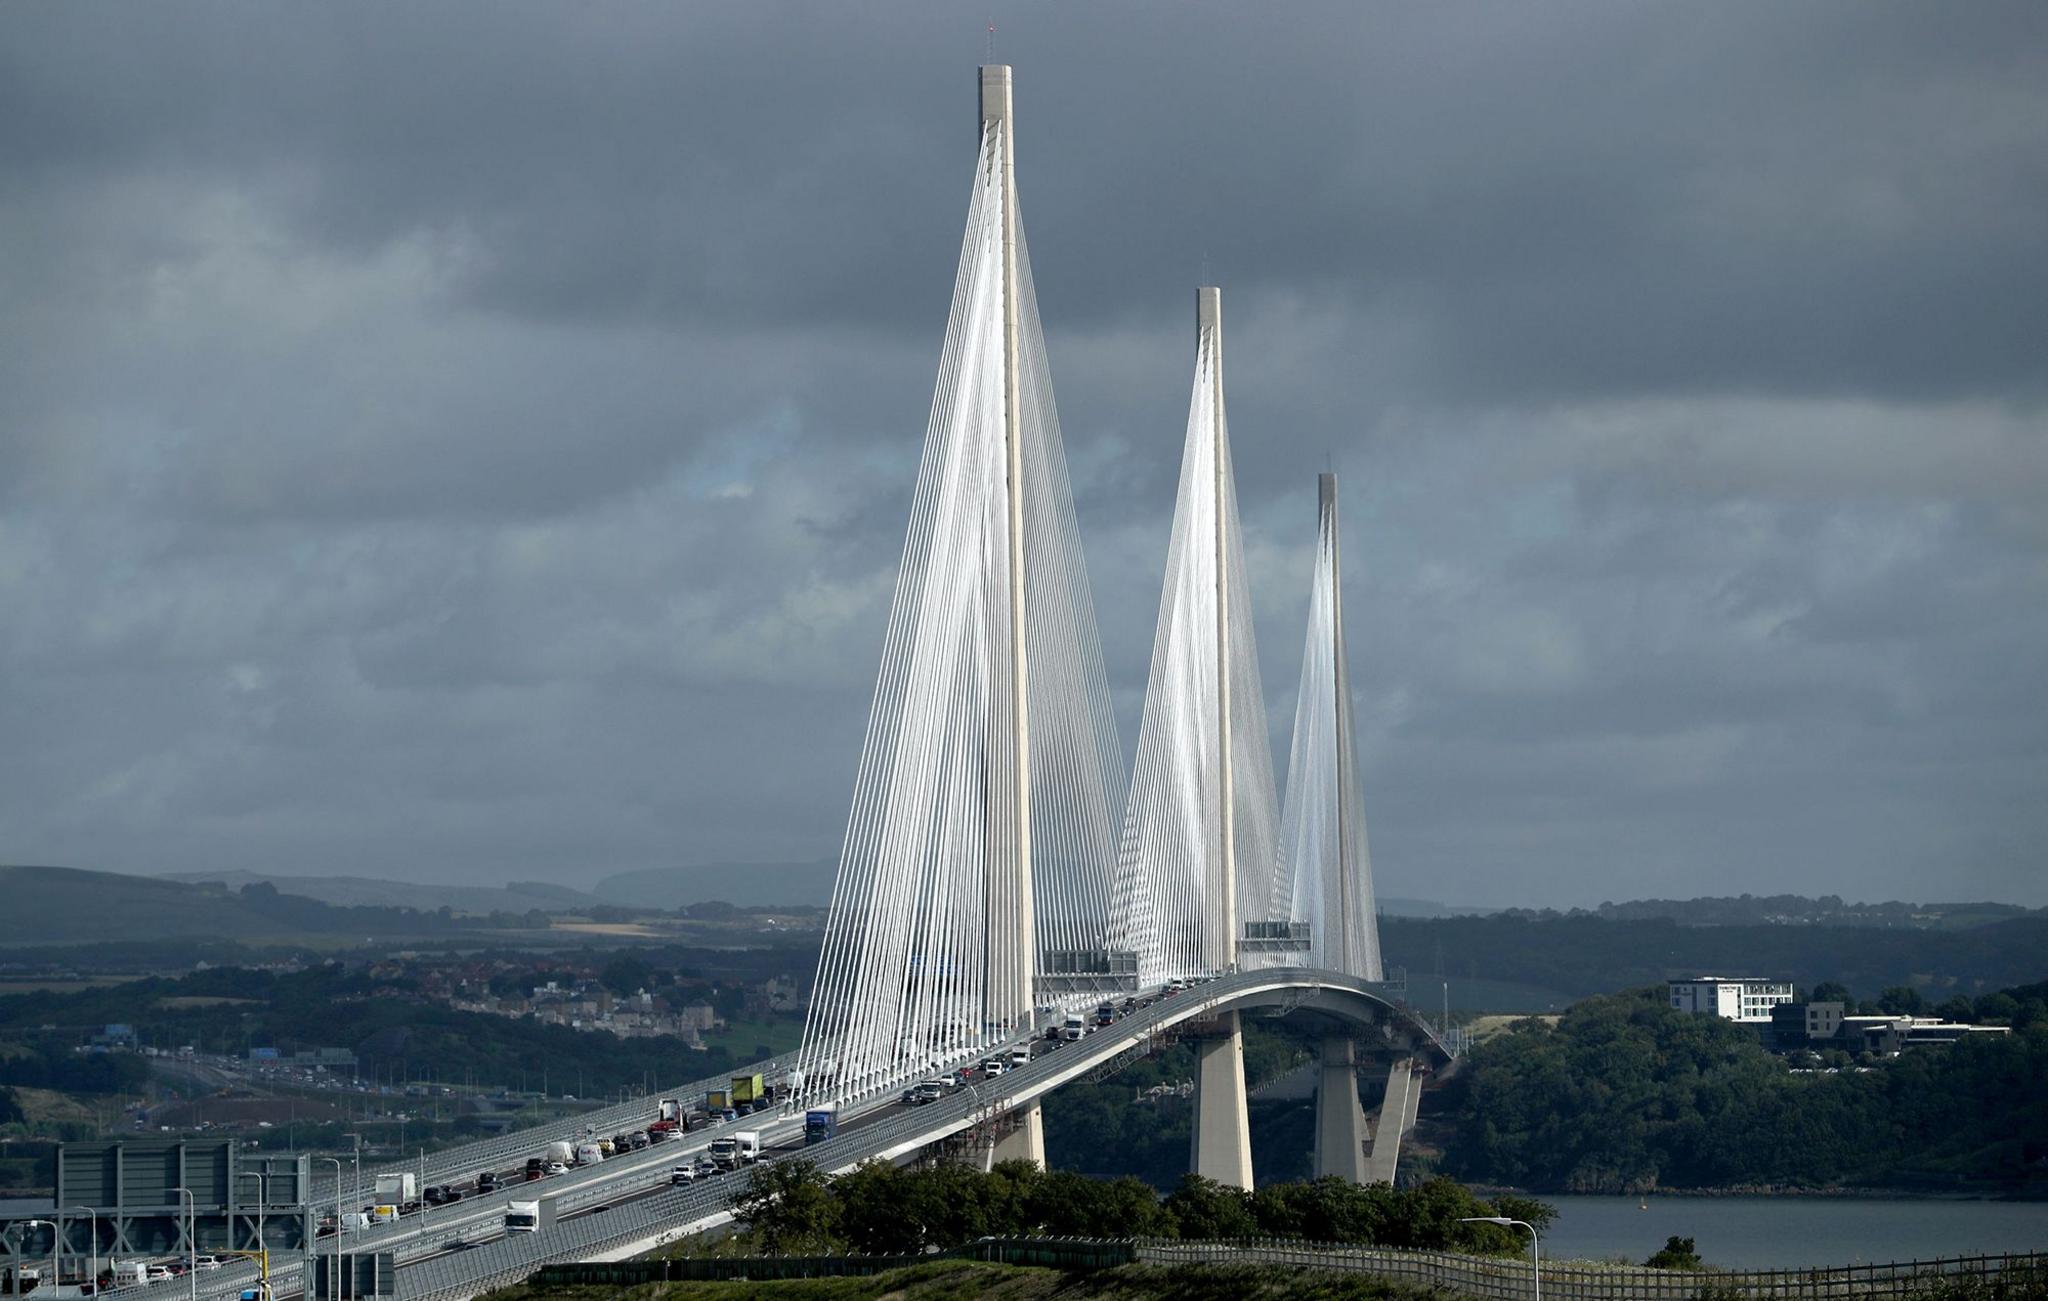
column 1324, row 856
column 1170, row 869
column 921, row 966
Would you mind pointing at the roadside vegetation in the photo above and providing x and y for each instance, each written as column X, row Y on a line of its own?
column 971, row 1280
column 879, row 1209
column 1624, row 1094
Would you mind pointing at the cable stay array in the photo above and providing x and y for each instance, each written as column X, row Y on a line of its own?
column 995, row 866
column 1323, row 845
column 1199, row 822
column 983, row 830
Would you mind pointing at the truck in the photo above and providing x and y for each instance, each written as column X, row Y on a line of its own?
column 821, row 1124
column 669, row 1119
column 131, row 1273
column 563, row 1152
column 747, row 1091
column 736, row 1150
column 400, row 1190
column 589, row 1154
column 1073, row 1028
column 717, row 1100
column 530, row 1217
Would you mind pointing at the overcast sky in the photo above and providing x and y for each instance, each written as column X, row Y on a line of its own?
column 473, row 441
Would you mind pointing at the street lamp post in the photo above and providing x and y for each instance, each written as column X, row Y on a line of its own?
column 334, row 1284
column 262, row 1178
column 95, row 1217
column 30, row 1224
column 1535, row 1248
column 191, row 1242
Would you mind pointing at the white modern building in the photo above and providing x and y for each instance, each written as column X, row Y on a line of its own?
column 1731, row 998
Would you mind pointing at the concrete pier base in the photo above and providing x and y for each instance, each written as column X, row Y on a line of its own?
column 1340, row 1121
column 1397, row 1117
column 1025, row 1142
column 1222, row 1131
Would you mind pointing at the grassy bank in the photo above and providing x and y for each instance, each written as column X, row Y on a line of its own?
column 964, row 1280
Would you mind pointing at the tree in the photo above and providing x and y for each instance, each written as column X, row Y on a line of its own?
column 1956, row 1009
column 788, row 1206
column 1203, row 1208
column 1832, row 991
column 1902, row 1000
column 1676, row 1253
column 627, row 973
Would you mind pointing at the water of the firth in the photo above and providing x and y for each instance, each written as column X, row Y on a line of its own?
column 1787, row 1232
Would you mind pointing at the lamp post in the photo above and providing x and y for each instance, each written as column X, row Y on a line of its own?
column 30, row 1224
column 95, row 1217
column 191, row 1242
column 1535, row 1247
column 358, row 1169
column 262, row 1178
column 334, row 1284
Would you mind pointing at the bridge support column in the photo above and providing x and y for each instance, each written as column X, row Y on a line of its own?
column 1026, row 1142
column 1397, row 1116
column 1222, row 1130
column 1340, row 1122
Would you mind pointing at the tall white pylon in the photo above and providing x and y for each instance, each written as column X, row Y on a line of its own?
column 983, row 826
column 1323, row 847
column 1198, row 855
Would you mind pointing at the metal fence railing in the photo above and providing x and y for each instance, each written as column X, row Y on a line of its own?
column 1506, row 1279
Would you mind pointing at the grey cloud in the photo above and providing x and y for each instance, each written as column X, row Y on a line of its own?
column 475, row 440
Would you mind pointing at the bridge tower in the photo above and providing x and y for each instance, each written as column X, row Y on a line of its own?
column 1011, row 995
column 982, row 836
column 1324, row 852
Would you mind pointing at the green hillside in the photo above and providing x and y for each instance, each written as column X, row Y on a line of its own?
column 67, row 905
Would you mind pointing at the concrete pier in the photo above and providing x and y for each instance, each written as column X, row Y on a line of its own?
column 1222, row 1137
column 1340, row 1121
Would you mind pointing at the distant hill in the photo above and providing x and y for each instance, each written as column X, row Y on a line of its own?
column 744, row 884
column 68, row 905
column 358, row 891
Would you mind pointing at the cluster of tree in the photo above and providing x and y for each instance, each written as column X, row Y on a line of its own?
column 1111, row 1127
column 1793, row 909
column 52, row 1064
column 10, row 1108
column 331, row 1006
column 881, row 1209
column 1626, row 1094
column 1581, row 955
column 2018, row 1008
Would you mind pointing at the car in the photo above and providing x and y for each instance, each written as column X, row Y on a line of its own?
column 487, row 1182
column 994, row 1066
column 207, row 1262
column 457, row 1244
column 683, row 1174
column 706, row 1167
column 557, row 1168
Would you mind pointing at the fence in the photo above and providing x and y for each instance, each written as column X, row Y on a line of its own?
column 1494, row 1279
column 1479, row 1277
column 1073, row 1254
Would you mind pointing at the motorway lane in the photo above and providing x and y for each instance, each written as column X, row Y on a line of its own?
column 877, row 1128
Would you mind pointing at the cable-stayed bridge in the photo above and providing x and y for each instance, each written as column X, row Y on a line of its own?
column 998, row 874
column 986, row 884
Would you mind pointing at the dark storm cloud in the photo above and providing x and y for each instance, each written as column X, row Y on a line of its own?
column 475, row 439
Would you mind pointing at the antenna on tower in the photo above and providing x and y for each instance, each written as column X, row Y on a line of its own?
column 991, row 44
